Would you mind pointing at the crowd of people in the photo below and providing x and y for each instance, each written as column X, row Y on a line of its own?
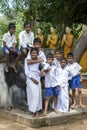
column 58, row 74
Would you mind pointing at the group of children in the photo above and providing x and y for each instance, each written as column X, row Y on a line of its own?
column 58, row 74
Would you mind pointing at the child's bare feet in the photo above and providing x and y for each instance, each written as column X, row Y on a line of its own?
column 81, row 105
column 73, row 106
column 35, row 114
column 55, row 110
column 45, row 113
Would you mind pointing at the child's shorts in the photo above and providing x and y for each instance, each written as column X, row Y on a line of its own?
column 50, row 90
column 75, row 82
column 4, row 49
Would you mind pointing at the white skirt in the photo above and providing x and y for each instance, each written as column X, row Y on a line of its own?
column 34, row 96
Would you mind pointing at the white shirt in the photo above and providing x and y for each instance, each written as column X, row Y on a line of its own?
column 32, row 70
column 63, row 77
column 75, row 68
column 41, row 55
column 9, row 39
column 51, row 77
column 26, row 39
column 56, row 62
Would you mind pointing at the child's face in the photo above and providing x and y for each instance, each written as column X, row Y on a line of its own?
column 34, row 55
column 27, row 28
column 70, row 59
column 50, row 60
column 37, row 45
column 63, row 63
column 12, row 30
column 58, row 55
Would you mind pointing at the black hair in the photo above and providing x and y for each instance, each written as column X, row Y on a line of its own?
column 70, row 55
column 63, row 58
column 58, row 50
column 37, row 40
column 49, row 55
column 11, row 25
column 26, row 23
column 34, row 49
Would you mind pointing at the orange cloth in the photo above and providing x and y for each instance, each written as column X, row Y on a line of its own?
column 67, row 44
column 52, row 41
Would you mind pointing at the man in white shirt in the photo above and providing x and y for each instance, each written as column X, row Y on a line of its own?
column 9, row 47
column 26, row 38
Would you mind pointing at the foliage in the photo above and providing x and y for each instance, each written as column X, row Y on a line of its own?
column 64, row 12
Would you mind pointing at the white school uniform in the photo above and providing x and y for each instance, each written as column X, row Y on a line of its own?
column 56, row 62
column 63, row 98
column 26, row 39
column 9, row 39
column 75, row 68
column 51, row 77
column 34, row 93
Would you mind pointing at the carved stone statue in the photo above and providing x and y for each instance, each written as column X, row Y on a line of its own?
column 67, row 41
column 52, row 40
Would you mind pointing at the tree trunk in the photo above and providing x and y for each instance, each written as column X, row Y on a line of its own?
column 80, row 47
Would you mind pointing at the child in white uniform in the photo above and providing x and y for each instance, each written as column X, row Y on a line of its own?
column 63, row 98
column 76, row 79
column 51, row 82
column 34, row 94
column 58, row 57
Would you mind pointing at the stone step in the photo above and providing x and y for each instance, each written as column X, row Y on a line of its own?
column 49, row 120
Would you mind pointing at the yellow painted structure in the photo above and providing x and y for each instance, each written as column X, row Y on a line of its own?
column 83, row 61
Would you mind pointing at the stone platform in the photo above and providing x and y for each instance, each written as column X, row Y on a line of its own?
column 49, row 120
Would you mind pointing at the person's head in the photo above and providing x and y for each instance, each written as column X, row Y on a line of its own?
column 53, row 29
column 37, row 43
column 63, row 62
column 58, row 54
column 39, row 31
column 34, row 53
column 50, row 58
column 27, row 27
column 11, row 28
column 70, row 58
column 68, row 30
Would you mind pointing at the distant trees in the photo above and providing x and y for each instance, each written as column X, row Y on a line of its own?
column 64, row 12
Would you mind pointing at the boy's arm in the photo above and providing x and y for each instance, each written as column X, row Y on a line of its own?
column 34, row 80
column 30, row 61
column 4, row 44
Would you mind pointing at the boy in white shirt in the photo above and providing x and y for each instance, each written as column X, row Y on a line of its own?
column 51, row 82
column 76, row 80
column 63, row 98
column 58, row 57
column 9, row 47
column 26, row 38
column 34, row 94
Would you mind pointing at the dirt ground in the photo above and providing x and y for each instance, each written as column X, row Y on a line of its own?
column 6, row 124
